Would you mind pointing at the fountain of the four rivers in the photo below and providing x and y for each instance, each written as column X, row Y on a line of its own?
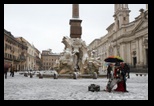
column 75, row 58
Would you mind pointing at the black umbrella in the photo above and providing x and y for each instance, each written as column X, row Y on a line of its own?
column 113, row 59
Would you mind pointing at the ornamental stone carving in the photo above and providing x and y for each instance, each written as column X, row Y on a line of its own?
column 76, row 58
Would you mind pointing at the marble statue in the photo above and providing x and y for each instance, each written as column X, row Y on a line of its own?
column 75, row 58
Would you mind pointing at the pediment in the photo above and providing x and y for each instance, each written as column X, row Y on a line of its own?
column 142, row 24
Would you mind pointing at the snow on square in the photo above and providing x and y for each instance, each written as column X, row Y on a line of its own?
column 20, row 87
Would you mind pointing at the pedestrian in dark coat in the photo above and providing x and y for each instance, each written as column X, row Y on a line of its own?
column 127, row 69
column 5, row 72
column 124, row 69
column 12, row 71
column 109, row 69
column 6, row 68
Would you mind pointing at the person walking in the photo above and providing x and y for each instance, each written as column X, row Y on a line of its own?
column 6, row 68
column 124, row 69
column 5, row 72
column 12, row 68
column 127, row 69
column 109, row 69
column 11, row 71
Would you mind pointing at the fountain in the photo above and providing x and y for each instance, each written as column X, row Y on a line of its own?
column 75, row 57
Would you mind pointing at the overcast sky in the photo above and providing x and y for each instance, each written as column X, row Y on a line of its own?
column 44, row 25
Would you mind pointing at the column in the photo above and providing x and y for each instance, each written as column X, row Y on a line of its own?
column 137, row 52
column 141, row 52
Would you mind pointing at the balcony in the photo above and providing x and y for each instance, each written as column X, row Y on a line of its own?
column 22, row 58
column 38, row 62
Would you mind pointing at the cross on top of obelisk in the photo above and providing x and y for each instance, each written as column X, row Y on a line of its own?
column 75, row 11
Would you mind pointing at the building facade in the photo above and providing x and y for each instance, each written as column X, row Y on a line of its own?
column 38, row 62
column 30, row 57
column 126, row 39
column 48, row 59
column 20, row 53
column 14, row 51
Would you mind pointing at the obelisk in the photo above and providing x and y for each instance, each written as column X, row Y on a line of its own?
column 75, row 11
column 75, row 23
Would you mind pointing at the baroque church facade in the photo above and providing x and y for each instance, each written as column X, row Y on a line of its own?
column 128, row 40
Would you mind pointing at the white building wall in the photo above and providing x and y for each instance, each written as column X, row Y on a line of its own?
column 128, row 47
column 141, row 51
column 133, row 42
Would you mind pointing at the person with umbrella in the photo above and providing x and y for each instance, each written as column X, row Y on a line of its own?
column 120, row 78
column 117, row 79
column 114, row 59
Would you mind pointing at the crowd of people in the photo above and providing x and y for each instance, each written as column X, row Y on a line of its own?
column 118, row 72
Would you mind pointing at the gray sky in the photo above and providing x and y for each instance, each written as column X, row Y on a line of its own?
column 44, row 25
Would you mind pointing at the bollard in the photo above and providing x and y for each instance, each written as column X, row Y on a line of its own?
column 40, row 76
column 74, row 75
column 25, row 74
column 55, row 76
column 94, row 75
column 31, row 76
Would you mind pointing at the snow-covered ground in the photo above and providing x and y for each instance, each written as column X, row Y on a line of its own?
column 26, row 88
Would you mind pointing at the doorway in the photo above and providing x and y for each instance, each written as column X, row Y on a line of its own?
column 134, row 62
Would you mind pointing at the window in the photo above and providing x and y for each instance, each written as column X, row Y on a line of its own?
column 10, row 56
column 118, row 24
column 6, row 55
column 6, row 46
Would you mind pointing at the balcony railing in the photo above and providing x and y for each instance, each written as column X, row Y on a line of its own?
column 22, row 58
